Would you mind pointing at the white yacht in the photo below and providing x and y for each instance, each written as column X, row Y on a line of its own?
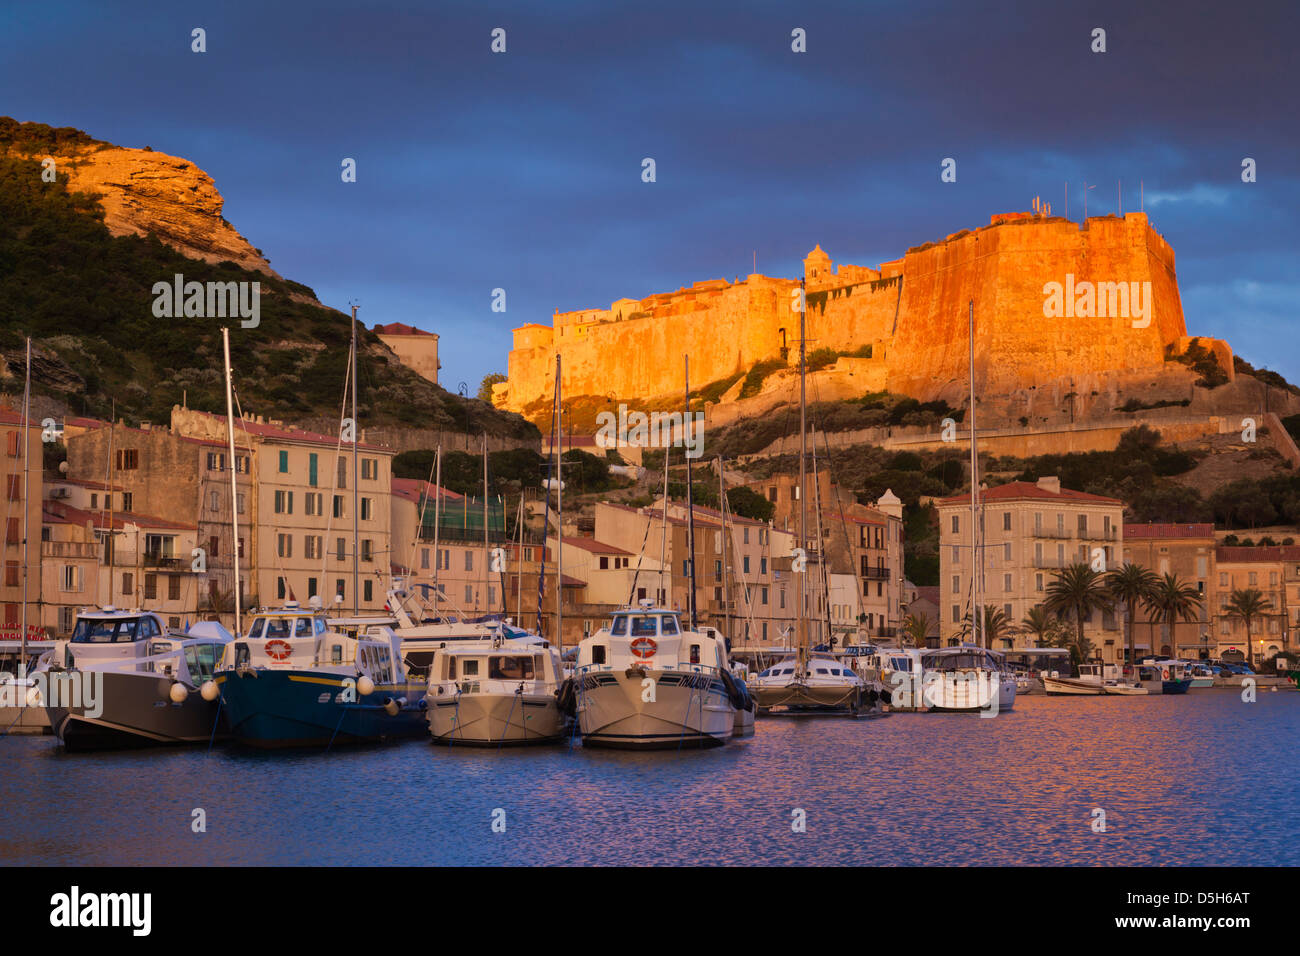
column 966, row 678
column 1087, row 684
column 820, row 683
column 423, row 629
column 644, row 682
column 124, row 680
column 497, row 692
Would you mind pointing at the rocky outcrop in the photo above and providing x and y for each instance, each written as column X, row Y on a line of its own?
column 142, row 191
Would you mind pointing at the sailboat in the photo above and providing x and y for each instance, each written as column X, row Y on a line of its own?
column 650, row 680
column 808, row 682
column 294, row 681
column 970, row 677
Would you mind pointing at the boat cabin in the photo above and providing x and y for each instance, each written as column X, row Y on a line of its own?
column 651, row 637
column 501, row 668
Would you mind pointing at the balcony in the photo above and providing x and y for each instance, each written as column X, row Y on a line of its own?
column 875, row 574
column 1099, row 534
column 70, row 549
column 1056, row 534
column 165, row 562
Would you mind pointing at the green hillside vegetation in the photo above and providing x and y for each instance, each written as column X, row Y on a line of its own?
column 86, row 299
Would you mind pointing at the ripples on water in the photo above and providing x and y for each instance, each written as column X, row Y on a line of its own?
column 1195, row 780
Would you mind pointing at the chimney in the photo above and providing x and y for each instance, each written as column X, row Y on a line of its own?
column 1050, row 483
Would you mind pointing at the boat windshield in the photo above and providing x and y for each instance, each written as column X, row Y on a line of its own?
column 114, row 630
column 643, row 625
column 619, row 625
column 965, row 661
column 513, row 667
column 282, row 627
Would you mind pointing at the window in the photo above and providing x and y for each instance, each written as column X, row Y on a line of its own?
column 312, row 462
column 956, row 613
column 745, row 531
column 173, row 587
column 366, row 509
column 424, row 559
column 762, row 565
column 469, row 560
column 94, row 501
column 763, row 592
column 1006, row 583
column 367, row 590
column 367, row 553
column 338, row 506
column 956, row 554
column 604, row 563
column 745, row 564
column 11, row 574
column 128, row 499
column 311, row 588
column 469, row 595
column 151, row 587
column 279, row 587
column 128, row 583
column 239, row 502
column 311, row 546
column 1006, row 521
column 284, row 502
column 1038, row 582
column 71, row 578
column 284, row 465
column 241, row 464
column 956, row 584
column 312, row 503
column 341, row 589
column 370, row 468
column 128, row 459
column 717, row 571
column 340, row 549
column 15, row 487
column 1006, row 551
column 284, row 545
column 956, row 524
column 1083, row 524
column 14, row 444
column 216, row 461
column 212, row 546
column 343, row 472
column 13, row 532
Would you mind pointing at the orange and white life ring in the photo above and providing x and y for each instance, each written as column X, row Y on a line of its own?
column 1164, row 673
column 278, row 650
column 644, row 647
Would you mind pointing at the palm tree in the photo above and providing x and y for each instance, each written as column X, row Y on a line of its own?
column 993, row 625
column 1248, row 604
column 1172, row 599
column 1078, row 590
column 917, row 627
column 1038, row 622
column 1131, row 585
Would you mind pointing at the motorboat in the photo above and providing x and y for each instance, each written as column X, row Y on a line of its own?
column 821, row 683
column 1202, row 675
column 124, row 680
column 645, row 681
column 1087, row 684
column 21, row 709
column 292, row 681
column 1121, row 688
column 497, row 692
column 1170, row 675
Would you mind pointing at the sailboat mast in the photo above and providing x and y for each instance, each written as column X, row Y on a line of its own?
column 437, row 519
column 802, row 627
column 690, row 504
column 977, row 610
column 356, row 475
column 559, row 510
column 234, row 493
column 486, row 578
column 726, row 588
column 27, row 504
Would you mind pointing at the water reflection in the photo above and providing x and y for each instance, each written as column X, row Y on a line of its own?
column 1194, row 780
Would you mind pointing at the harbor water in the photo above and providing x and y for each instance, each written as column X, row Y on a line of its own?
column 1200, row 779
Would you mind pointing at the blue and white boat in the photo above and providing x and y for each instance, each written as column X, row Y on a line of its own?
column 293, row 681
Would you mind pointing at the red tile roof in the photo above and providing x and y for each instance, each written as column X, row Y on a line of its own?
column 10, row 417
column 282, row 433
column 1020, row 490
column 413, row 489
column 1168, row 531
column 400, row 328
column 120, row 519
column 1233, row 553
column 594, row 546
column 82, row 483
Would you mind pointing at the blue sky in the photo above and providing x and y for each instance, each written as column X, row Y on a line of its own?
column 523, row 170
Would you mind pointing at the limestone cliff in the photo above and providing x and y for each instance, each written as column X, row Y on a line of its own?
column 142, row 191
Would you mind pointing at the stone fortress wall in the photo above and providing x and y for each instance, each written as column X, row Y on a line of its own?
column 912, row 311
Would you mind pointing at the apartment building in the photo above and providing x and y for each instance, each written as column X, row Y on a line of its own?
column 1187, row 550
column 1029, row 532
column 22, row 492
column 1275, row 573
column 308, row 501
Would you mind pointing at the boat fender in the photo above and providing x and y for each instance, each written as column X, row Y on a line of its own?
column 391, row 707
column 178, row 693
column 566, row 697
column 209, row 691
column 365, row 686
column 424, row 703
column 734, row 693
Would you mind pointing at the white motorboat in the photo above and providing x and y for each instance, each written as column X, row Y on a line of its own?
column 124, row 680
column 21, row 708
column 821, row 683
column 1123, row 689
column 498, row 692
column 646, row 682
column 1087, row 684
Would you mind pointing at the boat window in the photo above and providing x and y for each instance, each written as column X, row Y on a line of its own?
column 669, row 625
column 93, row 631
column 336, row 654
column 127, row 631
column 201, row 659
column 643, row 626
column 822, row 670
column 619, row 625
column 598, row 653
column 149, row 628
column 256, row 630
column 277, row 627
column 303, row 628
column 510, row 668
column 319, row 625
column 471, row 667
column 451, row 668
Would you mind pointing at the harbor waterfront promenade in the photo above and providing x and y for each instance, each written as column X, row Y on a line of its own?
column 1200, row 779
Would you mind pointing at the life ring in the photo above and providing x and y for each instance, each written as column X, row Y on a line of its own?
column 1164, row 673
column 644, row 647
column 278, row 650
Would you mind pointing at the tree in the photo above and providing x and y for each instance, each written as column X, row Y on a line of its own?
column 748, row 503
column 1131, row 585
column 994, row 625
column 917, row 627
column 1172, row 599
column 1039, row 623
column 1247, row 604
column 485, row 389
column 1077, row 590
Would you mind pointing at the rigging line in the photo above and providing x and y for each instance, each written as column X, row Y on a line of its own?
column 644, row 541
column 424, row 509
column 546, row 523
